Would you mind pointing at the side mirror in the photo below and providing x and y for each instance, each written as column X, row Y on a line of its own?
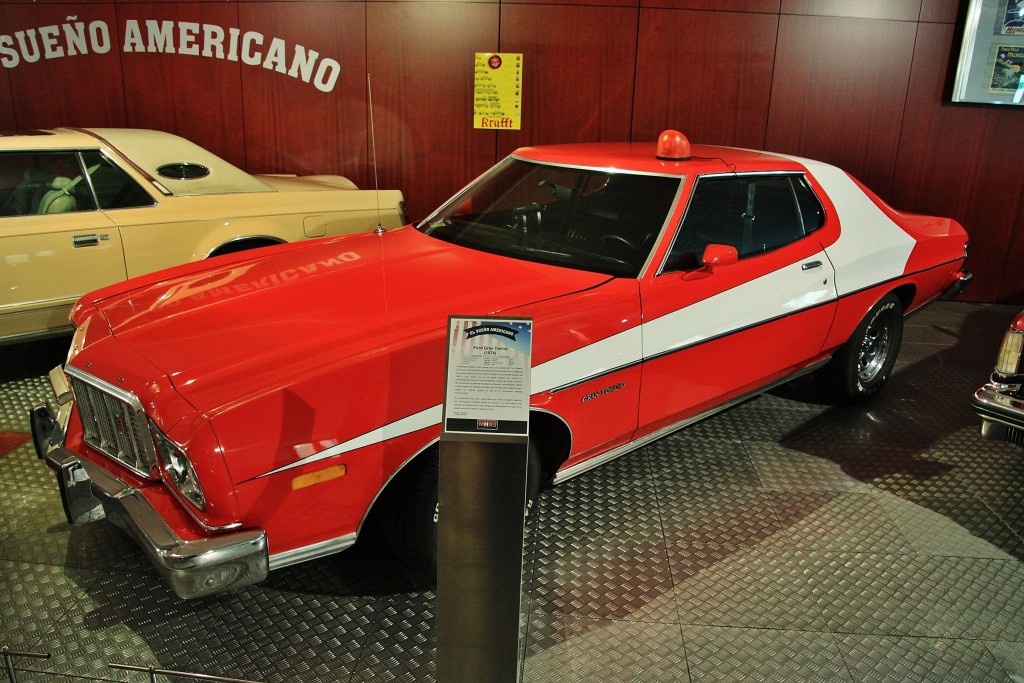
column 715, row 255
column 719, row 255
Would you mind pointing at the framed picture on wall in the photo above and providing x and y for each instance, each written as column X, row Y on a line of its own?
column 990, row 65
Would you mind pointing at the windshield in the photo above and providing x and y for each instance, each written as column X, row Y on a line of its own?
column 599, row 221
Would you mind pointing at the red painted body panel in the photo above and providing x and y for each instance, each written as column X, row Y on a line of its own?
column 679, row 386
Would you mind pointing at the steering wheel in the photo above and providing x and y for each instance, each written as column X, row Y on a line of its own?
column 527, row 218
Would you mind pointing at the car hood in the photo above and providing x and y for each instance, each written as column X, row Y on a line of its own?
column 251, row 326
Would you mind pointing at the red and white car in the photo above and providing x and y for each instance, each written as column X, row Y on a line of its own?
column 259, row 410
column 1000, row 401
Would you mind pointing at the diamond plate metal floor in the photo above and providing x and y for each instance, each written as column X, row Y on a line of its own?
column 783, row 540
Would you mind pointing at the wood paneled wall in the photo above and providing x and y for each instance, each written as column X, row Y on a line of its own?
column 859, row 83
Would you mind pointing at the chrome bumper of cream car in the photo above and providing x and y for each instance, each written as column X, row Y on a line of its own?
column 1002, row 413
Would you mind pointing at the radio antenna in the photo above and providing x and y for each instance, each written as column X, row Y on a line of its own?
column 373, row 148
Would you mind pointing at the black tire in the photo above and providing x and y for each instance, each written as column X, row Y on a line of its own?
column 862, row 365
column 408, row 522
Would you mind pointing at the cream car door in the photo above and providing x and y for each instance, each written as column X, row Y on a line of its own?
column 54, row 244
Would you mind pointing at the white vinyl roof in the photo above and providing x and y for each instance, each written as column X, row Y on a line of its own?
column 150, row 150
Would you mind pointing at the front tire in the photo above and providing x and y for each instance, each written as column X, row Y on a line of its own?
column 410, row 509
column 862, row 365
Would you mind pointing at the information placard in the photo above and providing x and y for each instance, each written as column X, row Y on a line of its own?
column 497, row 90
column 487, row 388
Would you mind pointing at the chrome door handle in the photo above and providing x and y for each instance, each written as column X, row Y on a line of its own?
column 85, row 241
column 810, row 265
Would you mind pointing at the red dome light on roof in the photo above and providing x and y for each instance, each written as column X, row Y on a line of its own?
column 673, row 146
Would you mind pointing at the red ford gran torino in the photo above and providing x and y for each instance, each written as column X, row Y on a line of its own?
column 258, row 410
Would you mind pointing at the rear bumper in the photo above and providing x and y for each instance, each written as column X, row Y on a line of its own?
column 960, row 284
column 1002, row 414
column 193, row 568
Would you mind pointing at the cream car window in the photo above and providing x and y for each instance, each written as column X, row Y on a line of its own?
column 114, row 188
column 43, row 182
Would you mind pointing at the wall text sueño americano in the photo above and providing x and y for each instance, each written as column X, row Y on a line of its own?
column 252, row 48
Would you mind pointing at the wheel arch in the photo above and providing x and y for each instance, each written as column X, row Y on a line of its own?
column 906, row 293
column 853, row 308
column 550, row 434
column 553, row 439
column 238, row 244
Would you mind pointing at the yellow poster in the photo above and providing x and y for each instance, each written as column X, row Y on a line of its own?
column 497, row 90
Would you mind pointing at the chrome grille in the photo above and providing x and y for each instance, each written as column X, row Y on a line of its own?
column 113, row 422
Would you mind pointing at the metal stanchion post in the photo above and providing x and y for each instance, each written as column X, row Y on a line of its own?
column 482, row 484
column 480, row 560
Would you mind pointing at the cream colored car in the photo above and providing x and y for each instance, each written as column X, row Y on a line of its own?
column 80, row 209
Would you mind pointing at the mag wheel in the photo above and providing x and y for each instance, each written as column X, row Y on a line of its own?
column 410, row 513
column 863, row 364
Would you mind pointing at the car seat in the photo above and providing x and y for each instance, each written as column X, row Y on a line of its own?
column 27, row 194
column 59, row 199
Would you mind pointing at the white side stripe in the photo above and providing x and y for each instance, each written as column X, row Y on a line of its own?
column 406, row 425
column 615, row 351
column 770, row 296
column 871, row 248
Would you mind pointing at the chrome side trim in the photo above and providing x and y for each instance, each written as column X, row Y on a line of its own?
column 311, row 552
column 599, row 460
column 41, row 304
column 596, row 375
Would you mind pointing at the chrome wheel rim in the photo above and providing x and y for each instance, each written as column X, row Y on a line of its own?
column 874, row 349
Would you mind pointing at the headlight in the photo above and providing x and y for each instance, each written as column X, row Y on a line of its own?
column 1008, row 363
column 178, row 469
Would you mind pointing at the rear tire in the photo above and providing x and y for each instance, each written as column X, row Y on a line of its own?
column 409, row 517
column 862, row 365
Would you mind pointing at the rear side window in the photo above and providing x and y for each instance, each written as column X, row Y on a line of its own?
column 754, row 213
column 43, row 182
column 114, row 188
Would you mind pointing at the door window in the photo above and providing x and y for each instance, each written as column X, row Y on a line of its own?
column 114, row 188
column 754, row 213
column 39, row 182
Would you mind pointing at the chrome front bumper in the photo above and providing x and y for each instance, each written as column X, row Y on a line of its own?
column 1002, row 414
column 193, row 568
